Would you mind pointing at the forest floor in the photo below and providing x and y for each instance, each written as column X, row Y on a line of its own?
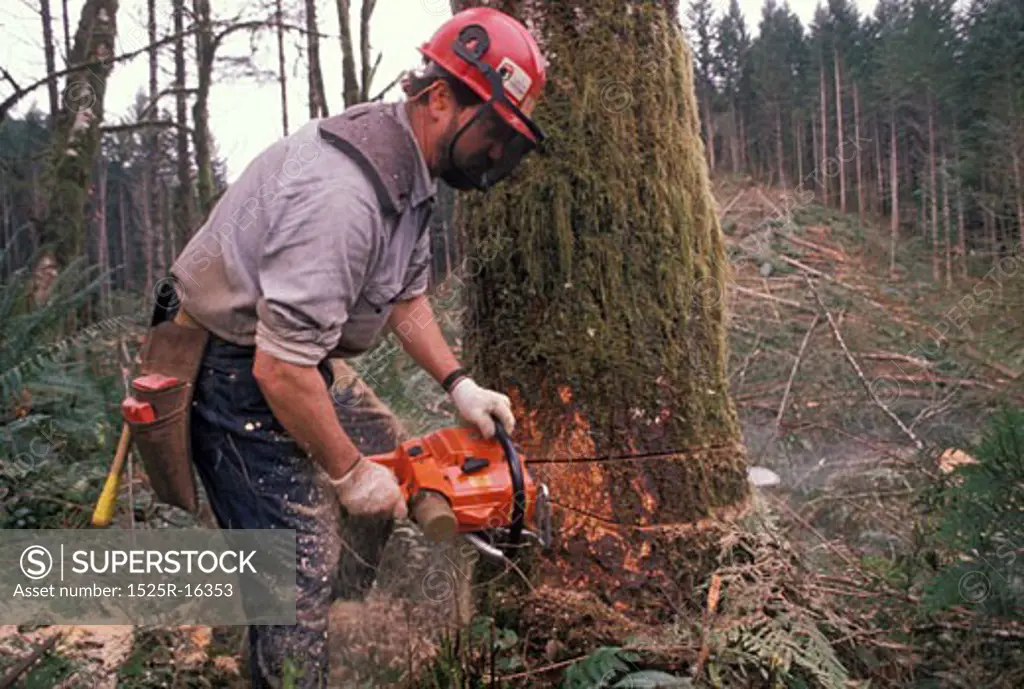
column 852, row 384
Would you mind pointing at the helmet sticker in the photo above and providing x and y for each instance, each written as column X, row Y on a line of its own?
column 517, row 81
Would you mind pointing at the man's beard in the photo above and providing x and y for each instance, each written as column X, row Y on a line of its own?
column 470, row 173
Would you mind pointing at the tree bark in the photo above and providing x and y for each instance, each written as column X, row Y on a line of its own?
column 779, row 155
column 840, row 136
column 947, row 220
column 48, row 54
column 816, row 169
column 206, row 49
column 608, row 258
column 183, row 163
column 349, row 80
column 961, row 238
column 797, row 136
column 734, row 142
column 856, row 137
column 67, row 31
column 127, row 276
column 152, row 135
column 709, row 126
column 934, row 193
column 365, row 13
column 822, row 97
column 879, row 203
column 102, row 240
column 894, row 190
column 317, row 99
column 282, row 78
column 75, row 145
column 1018, row 183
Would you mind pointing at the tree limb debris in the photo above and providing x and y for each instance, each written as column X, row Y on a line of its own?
column 825, row 276
column 792, row 374
column 25, row 663
column 860, row 373
column 994, row 365
column 772, row 298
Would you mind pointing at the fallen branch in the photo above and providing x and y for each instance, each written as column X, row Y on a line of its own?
column 965, row 382
column 729, row 205
column 994, row 365
column 817, row 247
column 860, row 373
column 792, row 374
column 825, row 276
column 771, row 297
column 25, row 663
column 892, row 356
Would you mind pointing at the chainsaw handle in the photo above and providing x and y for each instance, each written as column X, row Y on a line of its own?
column 433, row 513
column 515, row 468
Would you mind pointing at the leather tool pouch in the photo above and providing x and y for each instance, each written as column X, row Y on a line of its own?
column 173, row 351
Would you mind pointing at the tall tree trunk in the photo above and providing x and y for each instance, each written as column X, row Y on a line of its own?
column 48, row 54
column 184, row 202
column 961, row 237
column 879, row 203
column 282, row 78
column 734, row 139
column 147, row 204
column 206, row 50
column 894, row 190
column 152, row 136
column 619, row 346
column 67, row 31
column 779, row 155
column 934, row 193
column 1018, row 183
column 75, row 145
column 102, row 241
column 744, row 157
column 990, row 226
column 815, row 148
column 317, row 99
column 709, row 127
column 947, row 220
column 349, row 79
column 857, row 149
column 368, row 70
column 822, row 97
column 840, row 136
column 798, row 136
column 127, row 276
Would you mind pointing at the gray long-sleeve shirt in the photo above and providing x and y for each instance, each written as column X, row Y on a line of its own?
column 297, row 256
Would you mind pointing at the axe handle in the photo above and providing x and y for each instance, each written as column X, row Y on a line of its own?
column 103, row 514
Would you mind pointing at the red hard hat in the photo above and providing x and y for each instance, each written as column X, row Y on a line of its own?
column 483, row 46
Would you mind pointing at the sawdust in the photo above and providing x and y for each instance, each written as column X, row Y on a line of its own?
column 375, row 642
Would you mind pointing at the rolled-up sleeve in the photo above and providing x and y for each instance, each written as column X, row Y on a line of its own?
column 419, row 269
column 312, row 268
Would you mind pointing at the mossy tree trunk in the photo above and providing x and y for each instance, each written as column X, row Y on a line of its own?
column 75, row 145
column 602, row 311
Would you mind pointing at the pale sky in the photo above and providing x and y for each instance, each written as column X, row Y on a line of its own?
column 245, row 116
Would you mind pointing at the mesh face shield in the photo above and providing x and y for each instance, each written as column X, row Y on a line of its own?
column 495, row 116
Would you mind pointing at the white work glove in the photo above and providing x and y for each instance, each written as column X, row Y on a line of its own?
column 477, row 404
column 370, row 489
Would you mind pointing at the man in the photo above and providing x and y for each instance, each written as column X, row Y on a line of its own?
column 318, row 246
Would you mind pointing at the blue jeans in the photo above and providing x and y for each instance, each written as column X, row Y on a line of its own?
column 257, row 477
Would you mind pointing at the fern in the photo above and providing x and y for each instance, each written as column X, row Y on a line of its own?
column 789, row 644
column 983, row 523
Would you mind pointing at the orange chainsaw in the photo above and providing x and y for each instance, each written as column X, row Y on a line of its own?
column 458, row 483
